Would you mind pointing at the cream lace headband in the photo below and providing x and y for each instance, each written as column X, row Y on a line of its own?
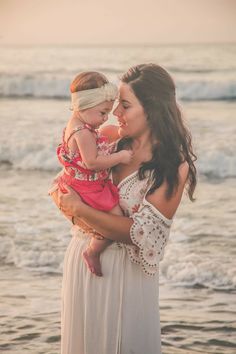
column 89, row 98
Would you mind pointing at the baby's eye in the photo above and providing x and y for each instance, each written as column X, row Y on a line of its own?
column 103, row 113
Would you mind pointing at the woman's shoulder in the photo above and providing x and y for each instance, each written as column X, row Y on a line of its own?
column 168, row 206
column 183, row 172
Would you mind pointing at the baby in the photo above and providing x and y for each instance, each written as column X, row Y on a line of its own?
column 86, row 155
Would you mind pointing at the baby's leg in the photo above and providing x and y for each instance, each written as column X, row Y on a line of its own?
column 92, row 254
column 96, row 246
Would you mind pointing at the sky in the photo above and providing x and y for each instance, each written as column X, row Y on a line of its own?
column 88, row 22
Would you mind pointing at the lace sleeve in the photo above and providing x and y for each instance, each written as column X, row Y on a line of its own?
column 149, row 233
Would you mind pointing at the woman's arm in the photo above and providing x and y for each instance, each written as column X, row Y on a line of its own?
column 104, row 223
column 114, row 227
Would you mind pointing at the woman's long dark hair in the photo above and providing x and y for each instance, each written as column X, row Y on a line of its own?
column 155, row 90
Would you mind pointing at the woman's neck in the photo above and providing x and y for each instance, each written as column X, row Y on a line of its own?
column 143, row 145
column 142, row 149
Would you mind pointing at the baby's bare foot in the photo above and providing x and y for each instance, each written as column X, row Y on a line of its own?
column 93, row 262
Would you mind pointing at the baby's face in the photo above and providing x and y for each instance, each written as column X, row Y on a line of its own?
column 97, row 115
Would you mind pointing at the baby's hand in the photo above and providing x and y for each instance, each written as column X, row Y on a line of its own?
column 126, row 156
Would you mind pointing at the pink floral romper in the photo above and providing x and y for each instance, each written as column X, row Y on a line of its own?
column 94, row 186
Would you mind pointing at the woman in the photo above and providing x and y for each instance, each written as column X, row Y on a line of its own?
column 119, row 312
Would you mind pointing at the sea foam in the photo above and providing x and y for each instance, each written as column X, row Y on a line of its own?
column 212, row 164
column 56, row 87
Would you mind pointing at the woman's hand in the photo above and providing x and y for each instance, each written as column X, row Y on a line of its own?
column 58, row 198
column 70, row 202
column 55, row 198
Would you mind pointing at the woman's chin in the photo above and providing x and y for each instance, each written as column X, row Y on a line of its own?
column 122, row 132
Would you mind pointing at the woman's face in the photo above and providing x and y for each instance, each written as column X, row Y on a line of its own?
column 130, row 114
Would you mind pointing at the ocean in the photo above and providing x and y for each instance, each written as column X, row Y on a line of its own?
column 198, row 272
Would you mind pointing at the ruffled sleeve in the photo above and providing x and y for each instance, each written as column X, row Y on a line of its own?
column 149, row 233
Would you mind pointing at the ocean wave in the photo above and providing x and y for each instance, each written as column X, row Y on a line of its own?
column 213, row 165
column 55, row 86
column 30, row 255
column 190, row 270
column 206, row 90
column 27, row 158
column 200, row 70
column 34, row 85
column 217, row 164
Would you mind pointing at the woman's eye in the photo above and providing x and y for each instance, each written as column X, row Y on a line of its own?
column 103, row 113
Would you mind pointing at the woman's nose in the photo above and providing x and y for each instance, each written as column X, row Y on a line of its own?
column 117, row 111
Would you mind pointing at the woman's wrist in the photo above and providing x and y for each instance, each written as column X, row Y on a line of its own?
column 91, row 232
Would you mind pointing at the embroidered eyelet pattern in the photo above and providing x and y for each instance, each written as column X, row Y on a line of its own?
column 149, row 232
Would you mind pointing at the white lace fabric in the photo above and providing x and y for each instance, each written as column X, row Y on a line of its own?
column 150, row 230
column 150, row 234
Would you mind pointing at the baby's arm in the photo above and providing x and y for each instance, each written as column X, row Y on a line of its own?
column 86, row 143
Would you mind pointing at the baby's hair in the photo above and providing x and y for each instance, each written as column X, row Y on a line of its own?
column 88, row 80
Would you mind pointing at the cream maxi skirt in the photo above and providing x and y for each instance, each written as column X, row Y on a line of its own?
column 114, row 314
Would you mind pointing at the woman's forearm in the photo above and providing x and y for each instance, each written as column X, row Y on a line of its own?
column 112, row 227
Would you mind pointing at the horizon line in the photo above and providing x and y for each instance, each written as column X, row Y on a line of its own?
column 117, row 44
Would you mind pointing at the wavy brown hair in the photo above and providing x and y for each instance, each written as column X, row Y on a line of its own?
column 172, row 142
